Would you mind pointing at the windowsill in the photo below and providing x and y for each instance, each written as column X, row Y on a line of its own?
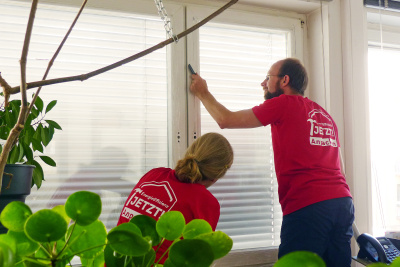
column 265, row 257
column 256, row 257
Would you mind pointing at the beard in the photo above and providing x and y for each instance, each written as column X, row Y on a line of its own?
column 270, row 95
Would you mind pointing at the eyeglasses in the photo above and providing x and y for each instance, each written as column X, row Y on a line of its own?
column 269, row 75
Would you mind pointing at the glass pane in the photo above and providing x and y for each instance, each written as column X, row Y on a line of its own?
column 384, row 95
column 234, row 61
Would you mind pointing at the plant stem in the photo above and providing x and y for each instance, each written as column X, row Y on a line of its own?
column 12, row 138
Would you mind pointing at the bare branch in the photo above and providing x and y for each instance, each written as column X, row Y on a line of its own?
column 15, row 132
column 86, row 76
column 56, row 54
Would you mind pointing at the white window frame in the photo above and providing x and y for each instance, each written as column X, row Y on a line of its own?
column 195, row 13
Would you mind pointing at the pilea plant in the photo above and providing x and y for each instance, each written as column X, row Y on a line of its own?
column 52, row 237
column 309, row 259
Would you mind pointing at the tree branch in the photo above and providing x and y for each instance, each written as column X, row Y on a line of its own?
column 56, row 54
column 15, row 132
column 86, row 76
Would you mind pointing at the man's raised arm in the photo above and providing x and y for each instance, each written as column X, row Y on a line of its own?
column 223, row 116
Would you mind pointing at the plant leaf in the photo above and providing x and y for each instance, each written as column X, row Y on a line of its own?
column 39, row 104
column 220, row 243
column 45, row 136
column 14, row 215
column 83, row 207
column 196, row 227
column 54, row 124
column 25, row 246
column 28, row 153
column 37, row 145
column 127, row 242
column 147, row 226
column 51, row 105
column 35, row 113
column 191, row 253
column 38, row 175
column 14, row 155
column 45, row 226
column 49, row 161
column 93, row 236
column 170, row 225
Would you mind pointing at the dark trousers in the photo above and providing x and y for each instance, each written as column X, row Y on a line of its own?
column 324, row 228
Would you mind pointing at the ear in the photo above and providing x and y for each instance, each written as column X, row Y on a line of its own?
column 285, row 80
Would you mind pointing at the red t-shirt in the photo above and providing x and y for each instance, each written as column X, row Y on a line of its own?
column 159, row 191
column 306, row 151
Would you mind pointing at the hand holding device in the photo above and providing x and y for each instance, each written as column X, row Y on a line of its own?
column 191, row 69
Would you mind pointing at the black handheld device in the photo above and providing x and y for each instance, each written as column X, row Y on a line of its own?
column 191, row 69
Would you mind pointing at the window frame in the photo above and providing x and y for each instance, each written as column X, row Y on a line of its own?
column 248, row 257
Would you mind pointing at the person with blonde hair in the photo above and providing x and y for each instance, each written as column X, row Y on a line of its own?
column 184, row 188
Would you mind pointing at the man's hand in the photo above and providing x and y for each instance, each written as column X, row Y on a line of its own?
column 198, row 86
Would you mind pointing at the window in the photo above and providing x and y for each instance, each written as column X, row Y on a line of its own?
column 383, row 58
column 235, row 52
column 115, row 124
column 235, row 60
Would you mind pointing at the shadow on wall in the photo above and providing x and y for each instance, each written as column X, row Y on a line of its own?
column 103, row 176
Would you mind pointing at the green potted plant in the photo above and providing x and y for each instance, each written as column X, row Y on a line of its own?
column 23, row 170
column 53, row 237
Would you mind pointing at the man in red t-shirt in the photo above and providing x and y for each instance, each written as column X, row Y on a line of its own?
column 317, row 206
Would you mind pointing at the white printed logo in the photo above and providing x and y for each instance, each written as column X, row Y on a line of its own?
column 128, row 213
column 151, row 204
column 322, row 131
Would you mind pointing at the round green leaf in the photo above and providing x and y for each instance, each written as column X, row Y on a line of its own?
column 25, row 246
column 127, row 242
column 169, row 263
column 7, row 258
column 128, row 227
column 170, row 225
column 191, row 253
column 9, row 240
column 113, row 259
column 60, row 209
column 300, row 259
column 220, row 243
column 14, row 216
column 396, row 262
column 92, row 236
column 196, row 227
column 84, row 207
column 147, row 226
column 45, row 226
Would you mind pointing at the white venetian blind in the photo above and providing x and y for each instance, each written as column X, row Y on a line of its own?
column 114, row 125
column 234, row 61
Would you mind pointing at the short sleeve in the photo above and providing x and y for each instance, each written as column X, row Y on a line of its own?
column 271, row 110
